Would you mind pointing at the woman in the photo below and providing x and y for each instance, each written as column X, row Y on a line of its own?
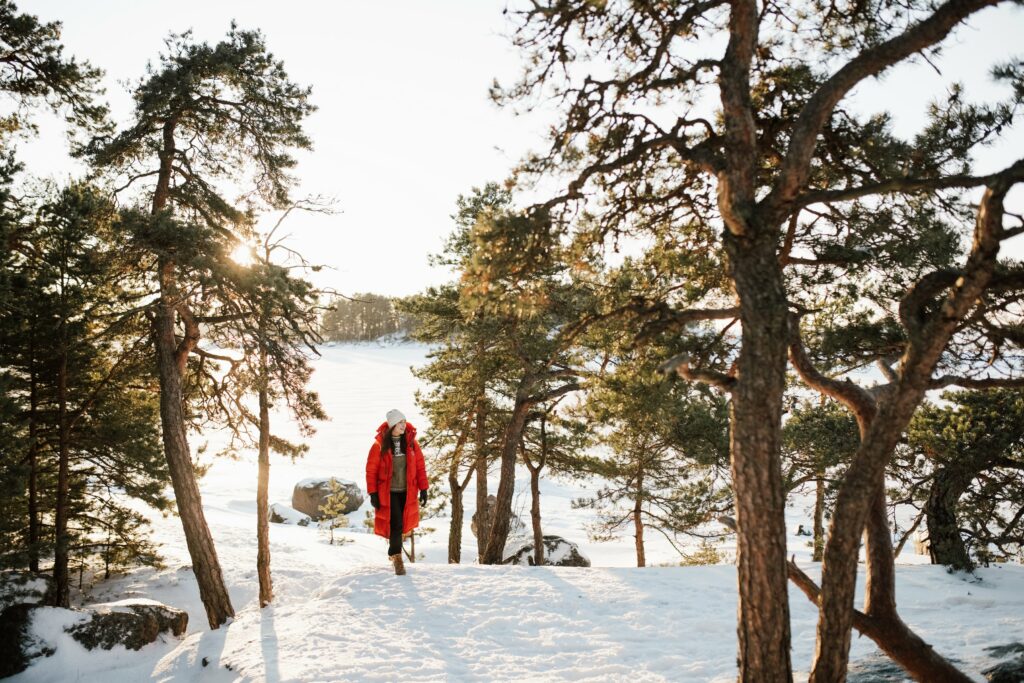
column 395, row 471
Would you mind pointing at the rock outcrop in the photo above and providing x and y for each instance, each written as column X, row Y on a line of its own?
column 558, row 552
column 309, row 494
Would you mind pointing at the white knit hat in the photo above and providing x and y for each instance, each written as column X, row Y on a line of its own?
column 394, row 417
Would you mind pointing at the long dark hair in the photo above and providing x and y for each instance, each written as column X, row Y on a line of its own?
column 385, row 443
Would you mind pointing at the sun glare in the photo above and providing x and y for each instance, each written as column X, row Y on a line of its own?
column 242, row 255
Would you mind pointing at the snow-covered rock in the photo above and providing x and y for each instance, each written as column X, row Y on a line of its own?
column 28, row 632
column 310, row 494
column 558, row 552
column 282, row 514
column 1010, row 670
column 132, row 623
column 26, row 588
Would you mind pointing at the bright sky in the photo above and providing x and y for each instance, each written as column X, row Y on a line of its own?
column 404, row 123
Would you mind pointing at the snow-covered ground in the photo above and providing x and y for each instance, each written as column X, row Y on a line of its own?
column 341, row 614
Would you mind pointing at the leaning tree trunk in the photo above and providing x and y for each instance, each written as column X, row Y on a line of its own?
column 205, row 564
column 755, row 416
column 945, row 543
column 893, row 636
column 171, row 364
column 262, row 490
column 506, row 484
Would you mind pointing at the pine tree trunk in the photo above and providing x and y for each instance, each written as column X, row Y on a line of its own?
column 894, row 637
column 506, row 483
column 62, row 592
column 483, row 522
column 262, row 491
column 458, row 512
column 756, row 414
column 638, row 525
column 538, row 535
column 857, row 497
column 945, row 544
column 638, row 517
column 819, row 517
column 880, row 589
column 33, row 475
column 205, row 564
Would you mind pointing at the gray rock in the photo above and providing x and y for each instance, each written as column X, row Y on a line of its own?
column 309, row 494
column 516, row 527
column 558, row 552
column 131, row 625
column 25, row 588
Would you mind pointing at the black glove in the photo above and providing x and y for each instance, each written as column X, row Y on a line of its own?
column 423, row 497
column 375, row 500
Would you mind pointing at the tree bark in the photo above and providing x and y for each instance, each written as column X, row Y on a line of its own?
column 945, row 544
column 493, row 553
column 893, row 637
column 33, row 474
column 458, row 508
column 483, row 525
column 171, row 364
column 205, row 564
column 755, row 416
column 262, row 489
column 880, row 590
column 819, row 516
column 62, row 592
column 538, row 535
column 455, row 530
column 638, row 526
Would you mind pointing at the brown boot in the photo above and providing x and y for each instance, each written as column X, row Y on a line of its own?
column 399, row 565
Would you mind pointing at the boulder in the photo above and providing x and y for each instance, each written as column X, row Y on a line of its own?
column 27, row 630
column 558, row 552
column 282, row 514
column 129, row 623
column 309, row 494
column 516, row 527
column 26, row 588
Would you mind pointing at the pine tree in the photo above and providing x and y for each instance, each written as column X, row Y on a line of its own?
column 91, row 419
column 667, row 445
column 816, row 439
column 333, row 508
column 765, row 185
column 204, row 115
column 962, row 467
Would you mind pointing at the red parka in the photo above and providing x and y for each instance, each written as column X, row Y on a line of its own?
column 378, row 480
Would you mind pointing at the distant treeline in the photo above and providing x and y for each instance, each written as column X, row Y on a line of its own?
column 364, row 317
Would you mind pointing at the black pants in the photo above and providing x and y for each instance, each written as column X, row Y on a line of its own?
column 397, row 516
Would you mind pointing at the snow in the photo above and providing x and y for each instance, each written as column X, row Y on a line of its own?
column 313, row 482
column 341, row 614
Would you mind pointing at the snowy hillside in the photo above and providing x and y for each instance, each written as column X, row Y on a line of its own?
column 341, row 614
